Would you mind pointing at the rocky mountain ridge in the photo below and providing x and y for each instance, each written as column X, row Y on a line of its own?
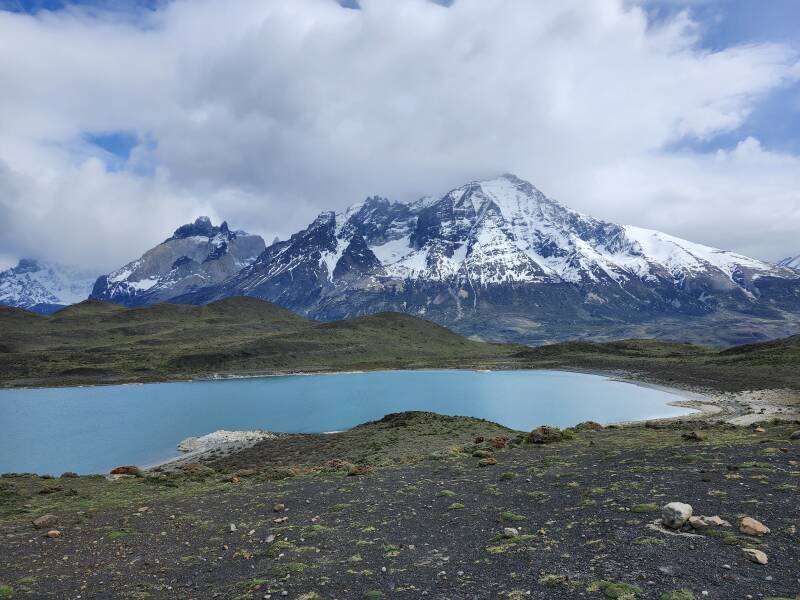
column 42, row 286
column 197, row 255
column 499, row 260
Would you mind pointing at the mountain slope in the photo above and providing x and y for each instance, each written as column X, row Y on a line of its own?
column 500, row 260
column 791, row 262
column 198, row 254
column 101, row 342
column 43, row 287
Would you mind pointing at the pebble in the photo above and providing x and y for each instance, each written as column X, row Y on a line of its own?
column 233, row 527
column 756, row 556
column 270, row 539
column 54, row 533
column 750, row 526
column 45, row 521
column 279, row 507
column 510, row 532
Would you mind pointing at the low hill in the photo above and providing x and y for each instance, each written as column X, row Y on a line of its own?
column 764, row 365
column 99, row 342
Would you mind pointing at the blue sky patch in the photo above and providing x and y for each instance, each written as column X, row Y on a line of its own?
column 118, row 143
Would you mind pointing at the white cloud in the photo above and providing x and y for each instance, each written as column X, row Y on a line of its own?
column 265, row 112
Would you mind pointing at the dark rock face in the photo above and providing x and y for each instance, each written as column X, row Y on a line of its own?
column 499, row 260
column 198, row 255
column 201, row 227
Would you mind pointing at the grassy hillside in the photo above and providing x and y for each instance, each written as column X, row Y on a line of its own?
column 753, row 366
column 97, row 342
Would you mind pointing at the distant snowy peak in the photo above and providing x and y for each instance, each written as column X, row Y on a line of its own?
column 198, row 254
column 43, row 286
column 791, row 262
column 499, row 231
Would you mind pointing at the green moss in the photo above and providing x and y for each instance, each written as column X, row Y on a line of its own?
column 119, row 533
column 455, row 506
column 644, row 508
column 279, row 547
column 508, row 516
column 6, row 591
column 446, row 493
column 372, row 594
column 316, row 529
column 615, row 590
column 678, row 595
column 553, row 580
column 648, row 541
column 507, row 476
column 255, row 584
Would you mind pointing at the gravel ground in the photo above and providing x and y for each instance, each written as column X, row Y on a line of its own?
column 420, row 518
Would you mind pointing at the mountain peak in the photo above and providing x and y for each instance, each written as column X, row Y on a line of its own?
column 202, row 226
column 27, row 265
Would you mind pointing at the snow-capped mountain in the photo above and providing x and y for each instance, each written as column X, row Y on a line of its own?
column 197, row 255
column 791, row 262
column 500, row 260
column 43, row 287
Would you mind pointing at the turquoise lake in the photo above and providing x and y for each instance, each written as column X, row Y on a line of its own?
column 93, row 429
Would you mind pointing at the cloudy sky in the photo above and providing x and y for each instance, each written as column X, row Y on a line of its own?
column 119, row 124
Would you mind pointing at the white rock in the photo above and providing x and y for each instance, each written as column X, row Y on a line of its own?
column 675, row 514
column 510, row 532
column 223, row 438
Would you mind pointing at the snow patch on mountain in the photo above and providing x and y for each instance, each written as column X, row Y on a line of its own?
column 44, row 286
column 791, row 262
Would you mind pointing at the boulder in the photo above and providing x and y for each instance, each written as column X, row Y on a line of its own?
column 69, row 475
column 482, row 454
column 759, row 430
column 46, row 521
column 676, row 514
column 795, row 435
column 750, row 526
column 510, row 532
column 279, row 507
column 54, row 533
column 694, row 436
column 756, row 556
column 487, row 462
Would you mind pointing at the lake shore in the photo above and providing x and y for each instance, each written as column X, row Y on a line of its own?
column 421, row 504
column 736, row 408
